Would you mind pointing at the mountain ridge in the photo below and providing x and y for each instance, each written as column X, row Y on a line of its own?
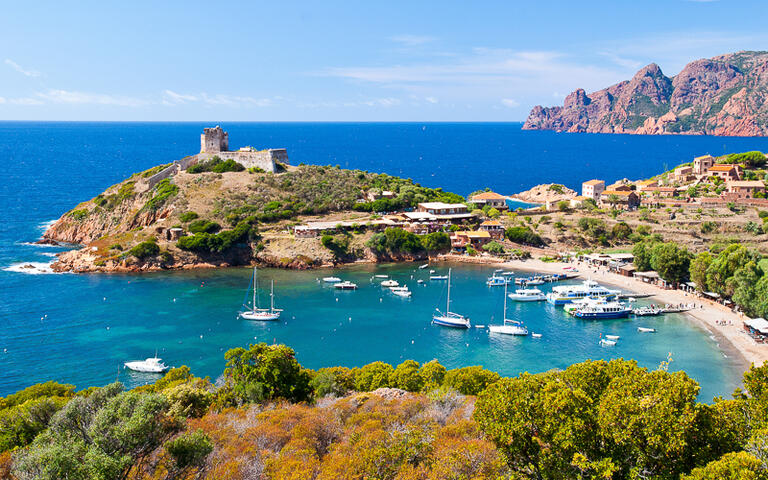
column 723, row 95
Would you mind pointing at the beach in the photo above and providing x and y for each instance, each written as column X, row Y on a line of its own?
column 724, row 324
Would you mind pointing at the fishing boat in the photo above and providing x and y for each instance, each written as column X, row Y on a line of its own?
column 438, row 277
column 527, row 295
column 510, row 327
column 449, row 318
column 647, row 311
column 607, row 343
column 600, row 311
column 389, row 283
column 612, row 337
column 331, row 279
column 262, row 314
column 346, row 285
column 563, row 294
column 495, row 281
column 149, row 365
column 646, row 330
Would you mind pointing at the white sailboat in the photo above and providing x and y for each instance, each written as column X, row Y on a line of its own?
column 262, row 314
column 449, row 318
column 510, row 327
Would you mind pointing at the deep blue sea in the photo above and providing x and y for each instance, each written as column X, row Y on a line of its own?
column 80, row 328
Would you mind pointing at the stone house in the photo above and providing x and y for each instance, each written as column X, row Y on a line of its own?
column 624, row 200
column 592, row 189
column 702, row 164
column 726, row 171
column 645, row 184
column 682, row 174
column 476, row 239
column 492, row 199
column 745, row 188
column 494, row 228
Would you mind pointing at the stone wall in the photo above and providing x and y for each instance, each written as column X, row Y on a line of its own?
column 171, row 169
column 263, row 159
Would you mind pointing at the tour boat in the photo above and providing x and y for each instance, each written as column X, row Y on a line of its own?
column 582, row 302
column 389, row 283
column 495, row 281
column 510, row 327
column 149, row 365
column 646, row 330
column 607, row 343
column 331, row 279
column 527, row 295
column 346, row 285
column 438, row 277
column 601, row 311
column 449, row 318
column 563, row 294
column 647, row 312
column 261, row 314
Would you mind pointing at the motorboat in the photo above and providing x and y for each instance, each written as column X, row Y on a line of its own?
column 612, row 337
column 510, row 327
column 646, row 330
column 647, row 311
column 507, row 273
column 331, row 279
column 401, row 292
column 148, row 365
column 495, row 281
column 422, row 267
column 535, row 281
column 536, row 335
column 438, row 277
column 449, row 318
column 563, row 294
column 261, row 314
column 346, row 285
column 419, row 281
column 607, row 343
column 527, row 295
column 600, row 311
column 389, row 283
column 381, row 276
column 582, row 302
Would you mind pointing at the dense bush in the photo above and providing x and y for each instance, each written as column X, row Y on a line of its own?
column 217, row 165
column 338, row 244
column 470, row 380
column 406, row 376
column 188, row 216
column 669, row 260
column 372, row 376
column 436, row 242
column 219, row 242
column 144, row 250
column 524, row 235
column 394, row 241
column 204, row 226
column 164, row 190
column 752, row 159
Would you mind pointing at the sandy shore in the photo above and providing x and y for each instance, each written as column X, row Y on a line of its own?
column 731, row 336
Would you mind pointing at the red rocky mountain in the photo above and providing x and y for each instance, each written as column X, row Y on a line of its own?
column 723, row 95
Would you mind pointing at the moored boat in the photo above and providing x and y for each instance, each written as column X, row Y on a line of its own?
column 495, row 281
column 510, row 327
column 600, row 311
column 450, row 319
column 528, row 295
column 646, row 330
column 261, row 314
column 331, row 279
column 389, row 283
column 149, row 365
column 607, row 343
column 647, row 311
column 563, row 294
column 346, row 285
column 438, row 277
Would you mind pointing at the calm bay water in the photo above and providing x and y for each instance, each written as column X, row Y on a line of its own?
column 80, row 328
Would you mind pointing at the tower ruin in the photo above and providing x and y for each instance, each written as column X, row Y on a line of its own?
column 214, row 140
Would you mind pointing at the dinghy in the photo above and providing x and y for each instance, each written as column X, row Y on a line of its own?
column 646, row 330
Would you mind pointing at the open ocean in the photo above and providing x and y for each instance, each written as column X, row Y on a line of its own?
column 80, row 328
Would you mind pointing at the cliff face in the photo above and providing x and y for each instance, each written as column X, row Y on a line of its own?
column 724, row 95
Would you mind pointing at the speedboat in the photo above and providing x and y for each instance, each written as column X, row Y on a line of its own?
column 149, row 365
column 347, row 285
column 495, row 281
column 536, row 335
column 535, row 281
column 527, row 295
column 612, row 337
column 381, row 276
column 389, row 283
column 607, row 343
column 438, row 277
column 261, row 314
column 507, row 273
column 563, row 294
column 510, row 327
column 401, row 291
column 331, row 279
column 601, row 311
column 646, row 330
column 449, row 318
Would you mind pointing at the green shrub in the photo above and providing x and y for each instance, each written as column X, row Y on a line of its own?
column 470, row 380
column 335, row 381
column 372, row 376
column 116, row 246
column 406, row 376
column 163, row 191
column 395, row 240
column 219, row 242
column 432, row 374
column 217, row 165
column 524, row 235
column 144, row 250
column 188, row 216
column 204, row 226
column 78, row 215
column 189, row 449
column 436, row 242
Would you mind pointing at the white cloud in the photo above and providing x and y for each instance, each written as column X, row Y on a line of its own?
column 20, row 69
column 412, row 40
column 509, row 102
column 86, row 98
column 172, row 98
column 235, row 101
column 2, row 100
column 26, row 101
column 431, row 99
column 382, row 102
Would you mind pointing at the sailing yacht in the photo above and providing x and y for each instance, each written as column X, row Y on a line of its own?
column 510, row 327
column 449, row 318
column 261, row 314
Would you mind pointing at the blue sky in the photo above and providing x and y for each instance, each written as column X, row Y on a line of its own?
column 338, row 61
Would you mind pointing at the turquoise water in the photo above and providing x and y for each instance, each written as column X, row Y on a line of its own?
column 191, row 319
column 96, row 322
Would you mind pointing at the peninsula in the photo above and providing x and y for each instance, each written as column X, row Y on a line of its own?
column 723, row 95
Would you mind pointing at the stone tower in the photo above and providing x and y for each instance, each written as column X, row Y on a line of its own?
column 214, row 140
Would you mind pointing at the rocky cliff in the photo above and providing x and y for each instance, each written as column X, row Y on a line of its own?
column 723, row 95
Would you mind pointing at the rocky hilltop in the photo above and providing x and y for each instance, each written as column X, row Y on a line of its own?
column 723, row 95
column 546, row 192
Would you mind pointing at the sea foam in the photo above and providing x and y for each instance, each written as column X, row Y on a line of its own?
column 32, row 268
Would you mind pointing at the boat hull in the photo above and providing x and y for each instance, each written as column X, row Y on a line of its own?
column 260, row 316
column 527, row 298
column 600, row 315
column 508, row 330
column 144, row 369
column 451, row 322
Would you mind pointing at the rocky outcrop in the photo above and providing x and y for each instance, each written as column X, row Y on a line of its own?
column 546, row 192
column 724, row 95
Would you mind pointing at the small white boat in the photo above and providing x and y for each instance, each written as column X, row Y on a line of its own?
column 149, row 365
column 646, row 311
column 536, row 335
column 331, row 279
column 422, row 267
column 401, row 292
column 419, row 281
column 646, row 330
column 507, row 273
column 381, row 276
column 510, row 327
column 607, row 343
column 261, row 314
column 438, row 277
column 495, row 281
column 612, row 337
column 449, row 318
column 389, row 283
column 347, row 285
column 528, row 295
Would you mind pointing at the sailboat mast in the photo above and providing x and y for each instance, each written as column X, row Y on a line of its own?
column 253, row 305
column 272, row 298
column 505, row 301
column 448, row 302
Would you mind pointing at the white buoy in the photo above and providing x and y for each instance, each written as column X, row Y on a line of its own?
column 201, row 336
column 337, row 299
column 411, row 342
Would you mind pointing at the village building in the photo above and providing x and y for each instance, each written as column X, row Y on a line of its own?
column 726, row 171
column 445, row 211
column 494, row 228
column 314, row 229
column 745, row 188
column 592, row 189
column 702, row 164
column 578, row 201
column 372, row 196
column 475, row 239
column 645, row 184
column 491, row 199
column 682, row 174
column 621, row 199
